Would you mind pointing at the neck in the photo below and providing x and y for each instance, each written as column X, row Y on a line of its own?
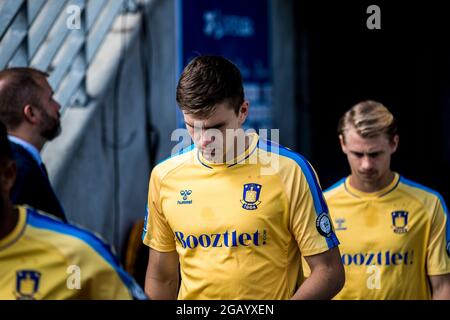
column 236, row 151
column 372, row 186
column 233, row 152
column 8, row 219
column 29, row 136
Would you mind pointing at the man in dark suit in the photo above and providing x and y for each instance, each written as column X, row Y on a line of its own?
column 32, row 118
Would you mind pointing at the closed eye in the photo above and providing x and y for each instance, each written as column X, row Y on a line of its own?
column 374, row 154
column 370, row 155
column 358, row 154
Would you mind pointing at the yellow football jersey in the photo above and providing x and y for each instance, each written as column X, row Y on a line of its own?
column 44, row 258
column 391, row 240
column 238, row 227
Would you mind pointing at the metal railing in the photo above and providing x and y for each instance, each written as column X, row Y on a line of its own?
column 60, row 37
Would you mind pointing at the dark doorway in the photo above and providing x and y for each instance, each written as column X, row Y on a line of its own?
column 405, row 65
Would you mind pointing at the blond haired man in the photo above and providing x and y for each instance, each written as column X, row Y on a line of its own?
column 394, row 233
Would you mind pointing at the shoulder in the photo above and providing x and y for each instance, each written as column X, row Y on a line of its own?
column 293, row 168
column 22, row 156
column 172, row 163
column 79, row 240
column 335, row 189
column 18, row 150
column 289, row 160
column 79, row 237
column 424, row 194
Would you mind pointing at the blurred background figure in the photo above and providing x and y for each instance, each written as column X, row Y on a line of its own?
column 394, row 233
column 31, row 115
column 114, row 66
column 44, row 258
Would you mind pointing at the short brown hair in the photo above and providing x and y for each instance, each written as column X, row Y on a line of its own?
column 18, row 87
column 207, row 81
column 370, row 119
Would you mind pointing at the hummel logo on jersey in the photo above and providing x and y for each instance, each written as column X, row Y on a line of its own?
column 340, row 224
column 185, row 194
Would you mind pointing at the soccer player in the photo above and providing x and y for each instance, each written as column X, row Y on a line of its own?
column 235, row 215
column 43, row 258
column 394, row 233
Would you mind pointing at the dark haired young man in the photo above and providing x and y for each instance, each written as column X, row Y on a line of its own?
column 234, row 222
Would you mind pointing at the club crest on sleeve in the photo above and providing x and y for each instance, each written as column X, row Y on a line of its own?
column 250, row 196
column 400, row 221
column 323, row 225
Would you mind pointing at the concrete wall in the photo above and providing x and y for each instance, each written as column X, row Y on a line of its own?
column 283, row 70
column 164, row 77
column 100, row 164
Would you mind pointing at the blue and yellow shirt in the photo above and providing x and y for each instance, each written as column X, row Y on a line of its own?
column 43, row 258
column 239, row 228
column 391, row 240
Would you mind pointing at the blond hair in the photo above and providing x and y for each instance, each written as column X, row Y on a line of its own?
column 370, row 119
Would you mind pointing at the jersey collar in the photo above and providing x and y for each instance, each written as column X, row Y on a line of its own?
column 17, row 231
column 240, row 158
column 377, row 194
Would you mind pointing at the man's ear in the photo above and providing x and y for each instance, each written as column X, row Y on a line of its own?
column 394, row 143
column 342, row 141
column 243, row 112
column 30, row 114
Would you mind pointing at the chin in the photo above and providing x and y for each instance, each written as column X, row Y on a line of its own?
column 51, row 133
column 369, row 178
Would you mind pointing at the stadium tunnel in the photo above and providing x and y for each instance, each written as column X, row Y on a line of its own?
column 114, row 65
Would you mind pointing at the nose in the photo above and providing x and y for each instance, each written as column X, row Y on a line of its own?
column 206, row 138
column 57, row 105
column 366, row 163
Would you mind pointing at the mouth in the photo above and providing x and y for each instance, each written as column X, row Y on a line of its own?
column 368, row 174
column 207, row 149
column 210, row 148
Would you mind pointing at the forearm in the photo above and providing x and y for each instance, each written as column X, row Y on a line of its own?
column 442, row 295
column 441, row 292
column 440, row 287
column 322, row 284
column 158, row 289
